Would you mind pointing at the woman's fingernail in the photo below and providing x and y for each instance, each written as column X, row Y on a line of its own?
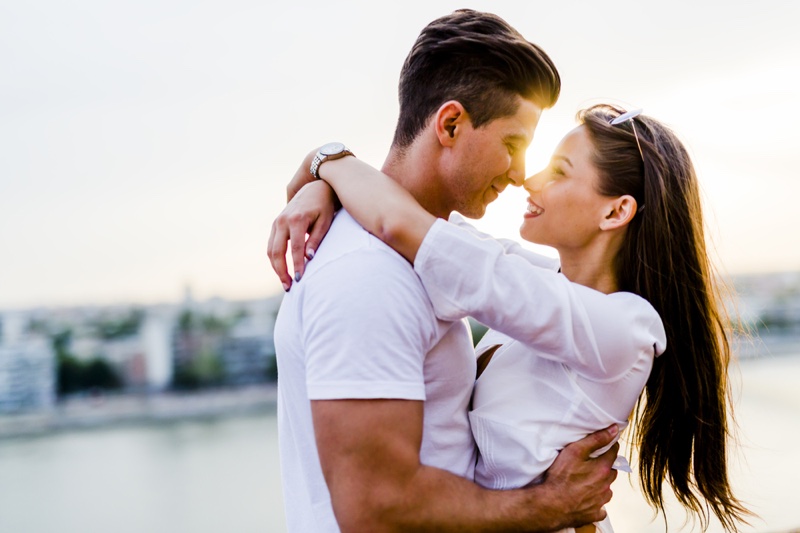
column 286, row 287
column 297, row 276
column 310, row 253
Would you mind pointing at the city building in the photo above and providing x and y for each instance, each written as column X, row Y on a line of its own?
column 27, row 369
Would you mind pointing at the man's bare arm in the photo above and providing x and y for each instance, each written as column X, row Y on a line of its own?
column 369, row 451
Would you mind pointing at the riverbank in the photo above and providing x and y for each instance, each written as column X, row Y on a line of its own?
column 93, row 411
column 87, row 412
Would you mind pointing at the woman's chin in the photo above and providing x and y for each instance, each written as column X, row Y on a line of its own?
column 531, row 236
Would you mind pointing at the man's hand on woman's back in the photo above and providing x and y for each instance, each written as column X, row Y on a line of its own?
column 577, row 485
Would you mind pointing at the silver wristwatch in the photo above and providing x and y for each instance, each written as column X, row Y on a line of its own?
column 328, row 152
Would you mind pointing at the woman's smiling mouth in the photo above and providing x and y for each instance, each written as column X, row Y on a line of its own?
column 533, row 209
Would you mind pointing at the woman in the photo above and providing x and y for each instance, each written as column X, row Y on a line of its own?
column 620, row 203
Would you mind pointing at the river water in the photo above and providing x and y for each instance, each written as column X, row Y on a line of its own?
column 223, row 474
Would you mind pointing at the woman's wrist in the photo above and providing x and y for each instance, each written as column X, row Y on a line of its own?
column 328, row 152
column 336, row 169
column 302, row 177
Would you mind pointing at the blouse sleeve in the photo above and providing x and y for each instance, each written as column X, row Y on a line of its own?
column 600, row 336
column 510, row 246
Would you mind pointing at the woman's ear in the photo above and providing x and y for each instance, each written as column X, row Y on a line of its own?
column 620, row 212
column 450, row 118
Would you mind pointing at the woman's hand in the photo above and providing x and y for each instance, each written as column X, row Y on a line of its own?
column 309, row 212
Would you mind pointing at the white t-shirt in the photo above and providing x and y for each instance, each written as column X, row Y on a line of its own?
column 360, row 326
column 580, row 362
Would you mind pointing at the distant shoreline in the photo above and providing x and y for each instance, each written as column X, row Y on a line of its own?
column 118, row 409
column 109, row 410
column 767, row 345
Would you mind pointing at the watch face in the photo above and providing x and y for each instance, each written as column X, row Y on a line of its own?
column 332, row 148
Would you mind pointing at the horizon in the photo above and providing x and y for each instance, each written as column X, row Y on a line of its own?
column 181, row 300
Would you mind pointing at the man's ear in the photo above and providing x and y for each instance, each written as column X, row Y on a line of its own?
column 449, row 120
column 620, row 212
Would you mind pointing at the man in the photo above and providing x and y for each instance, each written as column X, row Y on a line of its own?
column 373, row 389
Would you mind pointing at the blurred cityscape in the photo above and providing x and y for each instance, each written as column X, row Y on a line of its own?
column 64, row 367
column 79, row 366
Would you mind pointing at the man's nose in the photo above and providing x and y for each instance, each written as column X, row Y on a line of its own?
column 517, row 171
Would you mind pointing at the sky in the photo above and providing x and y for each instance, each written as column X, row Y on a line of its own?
column 145, row 146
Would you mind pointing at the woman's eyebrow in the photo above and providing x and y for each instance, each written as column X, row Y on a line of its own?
column 563, row 158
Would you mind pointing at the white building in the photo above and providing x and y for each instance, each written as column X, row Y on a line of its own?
column 156, row 335
column 143, row 359
column 27, row 369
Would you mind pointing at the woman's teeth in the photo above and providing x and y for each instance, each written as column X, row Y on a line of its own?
column 535, row 209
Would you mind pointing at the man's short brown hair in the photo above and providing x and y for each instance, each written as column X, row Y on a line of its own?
column 477, row 59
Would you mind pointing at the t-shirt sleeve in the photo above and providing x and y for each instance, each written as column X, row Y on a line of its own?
column 368, row 326
column 598, row 335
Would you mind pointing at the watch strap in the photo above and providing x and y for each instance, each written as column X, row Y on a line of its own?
column 321, row 157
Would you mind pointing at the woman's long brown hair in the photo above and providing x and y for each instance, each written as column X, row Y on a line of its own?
column 680, row 424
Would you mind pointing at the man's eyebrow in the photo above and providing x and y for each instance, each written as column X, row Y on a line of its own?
column 563, row 158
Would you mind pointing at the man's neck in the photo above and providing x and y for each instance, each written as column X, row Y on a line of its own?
column 417, row 172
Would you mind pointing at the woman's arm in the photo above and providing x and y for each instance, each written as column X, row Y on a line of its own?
column 379, row 204
column 510, row 246
column 600, row 336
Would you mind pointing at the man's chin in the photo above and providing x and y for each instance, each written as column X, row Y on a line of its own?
column 474, row 212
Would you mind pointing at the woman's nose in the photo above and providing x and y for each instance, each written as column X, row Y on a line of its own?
column 534, row 183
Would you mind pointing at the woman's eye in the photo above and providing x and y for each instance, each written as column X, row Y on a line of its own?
column 557, row 170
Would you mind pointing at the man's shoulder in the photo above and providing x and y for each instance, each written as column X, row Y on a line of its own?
column 348, row 242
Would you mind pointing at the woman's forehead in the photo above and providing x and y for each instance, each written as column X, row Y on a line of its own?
column 575, row 145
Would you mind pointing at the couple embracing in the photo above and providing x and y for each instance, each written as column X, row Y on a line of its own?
column 389, row 419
